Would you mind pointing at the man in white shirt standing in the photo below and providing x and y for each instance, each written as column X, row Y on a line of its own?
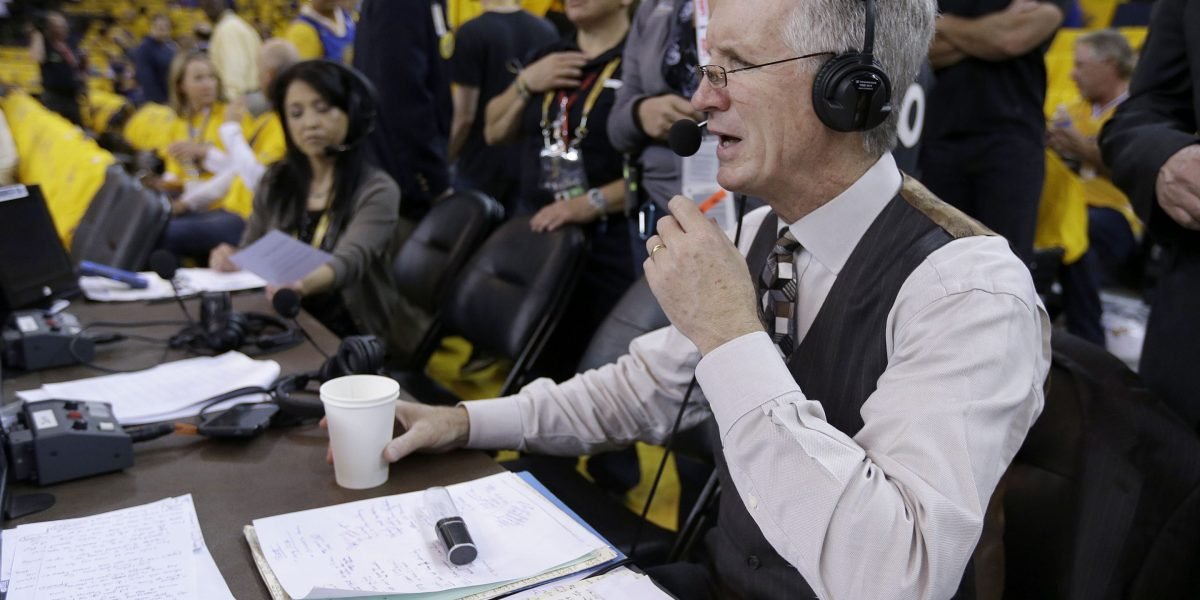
column 233, row 48
column 863, row 429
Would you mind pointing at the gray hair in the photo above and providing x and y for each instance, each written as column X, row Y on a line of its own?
column 903, row 31
column 1109, row 44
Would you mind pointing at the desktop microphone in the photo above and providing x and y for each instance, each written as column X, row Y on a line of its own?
column 164, row 264
column 684, row 136
column 287, row 303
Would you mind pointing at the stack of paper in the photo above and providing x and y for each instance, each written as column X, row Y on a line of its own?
column 169, row 391
column 387, row 546
column 189, row 281
column 150, row 551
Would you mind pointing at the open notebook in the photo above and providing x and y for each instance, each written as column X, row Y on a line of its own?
column 386, row 548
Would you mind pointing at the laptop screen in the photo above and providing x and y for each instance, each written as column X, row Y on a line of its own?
column 34, row 265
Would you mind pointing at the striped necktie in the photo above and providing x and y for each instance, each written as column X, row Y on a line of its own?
column 778, row 284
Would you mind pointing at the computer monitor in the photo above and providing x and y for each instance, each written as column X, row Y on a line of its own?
column 34, row 266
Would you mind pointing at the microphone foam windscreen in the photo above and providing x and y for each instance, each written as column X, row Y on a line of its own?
column 163, row 263
column 684, row 137
column 286, row 303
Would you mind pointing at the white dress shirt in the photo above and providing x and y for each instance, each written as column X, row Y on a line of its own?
column 893, row 512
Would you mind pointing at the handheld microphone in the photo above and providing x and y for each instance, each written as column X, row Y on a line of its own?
column 287, row 303
column 684, row 136
column 164, row 264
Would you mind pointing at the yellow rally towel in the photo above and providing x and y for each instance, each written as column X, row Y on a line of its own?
column 1062, row 215
column 53, row 153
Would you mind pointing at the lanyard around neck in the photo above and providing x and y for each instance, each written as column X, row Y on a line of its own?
column 597, row 86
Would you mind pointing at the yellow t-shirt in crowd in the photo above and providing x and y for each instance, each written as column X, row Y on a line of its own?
column 150, row 128
column 304, row 37
column 1099, row 190
column 1062, row 213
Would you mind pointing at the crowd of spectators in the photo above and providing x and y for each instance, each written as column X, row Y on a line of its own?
column 549, row 114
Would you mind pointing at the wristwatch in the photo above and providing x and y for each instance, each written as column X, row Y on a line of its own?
column 596, row 199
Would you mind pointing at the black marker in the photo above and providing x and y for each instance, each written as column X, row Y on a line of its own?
column 450, row 527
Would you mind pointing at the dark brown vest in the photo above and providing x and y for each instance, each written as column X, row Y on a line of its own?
column 839, row 361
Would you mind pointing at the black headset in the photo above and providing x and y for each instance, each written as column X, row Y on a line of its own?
column 297, row 400
column 850, row 91
column 362, row 101
column 222, row 329
column 356, row 355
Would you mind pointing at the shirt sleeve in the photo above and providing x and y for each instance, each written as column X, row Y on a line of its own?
column 305, row 39
column 369, row 232
column 904, row 498
column 592, row 412
column 242, row 159
column 623, row 130
column 468, row 63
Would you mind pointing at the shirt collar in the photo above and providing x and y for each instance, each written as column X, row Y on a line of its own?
column 832, row 231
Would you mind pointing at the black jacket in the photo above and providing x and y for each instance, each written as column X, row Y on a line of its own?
column 396, row 47
column 1161, row 115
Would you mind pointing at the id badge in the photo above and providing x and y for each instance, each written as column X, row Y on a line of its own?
column 562, row 172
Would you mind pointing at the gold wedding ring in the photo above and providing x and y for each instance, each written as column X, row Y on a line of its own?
column 656, row 248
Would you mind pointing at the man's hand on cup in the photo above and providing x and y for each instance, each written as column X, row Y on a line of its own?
column 426, row 429
column 1178, row 187
column 659, row 113
column 700, row 278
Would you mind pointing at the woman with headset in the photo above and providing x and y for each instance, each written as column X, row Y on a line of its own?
column 327, row 193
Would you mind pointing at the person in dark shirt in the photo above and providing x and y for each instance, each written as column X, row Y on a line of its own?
column 984, row 146
column 152, row 59
column 488, row 51
column 63, row 68
column 396, row 48
column 574, row 78
column 1152, row 145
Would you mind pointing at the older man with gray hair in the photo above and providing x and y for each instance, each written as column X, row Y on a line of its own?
column 872, row 358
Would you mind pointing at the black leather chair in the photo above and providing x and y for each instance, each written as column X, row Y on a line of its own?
column 122, row 223
column 1102, row 500
column 507, row 300
column 432, row 257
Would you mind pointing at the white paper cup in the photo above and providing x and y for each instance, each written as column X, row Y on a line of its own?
column 360, row 410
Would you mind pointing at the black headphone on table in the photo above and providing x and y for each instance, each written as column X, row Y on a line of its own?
column 222, row 329
column 356, row 355
column 850, row 91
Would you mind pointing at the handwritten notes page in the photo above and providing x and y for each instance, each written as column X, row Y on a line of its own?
column 149, row 552
column 619, row 584
column 388, row 545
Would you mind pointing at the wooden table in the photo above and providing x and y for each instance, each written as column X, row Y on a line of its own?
column 232, row 482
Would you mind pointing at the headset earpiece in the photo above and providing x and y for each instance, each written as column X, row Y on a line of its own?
column 851, row 92
column 356, row 355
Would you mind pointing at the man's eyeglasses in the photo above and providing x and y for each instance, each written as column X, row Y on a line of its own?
column 718, row 76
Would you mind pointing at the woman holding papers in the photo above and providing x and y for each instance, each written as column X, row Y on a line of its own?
column 198, row 172
column 326, row 193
